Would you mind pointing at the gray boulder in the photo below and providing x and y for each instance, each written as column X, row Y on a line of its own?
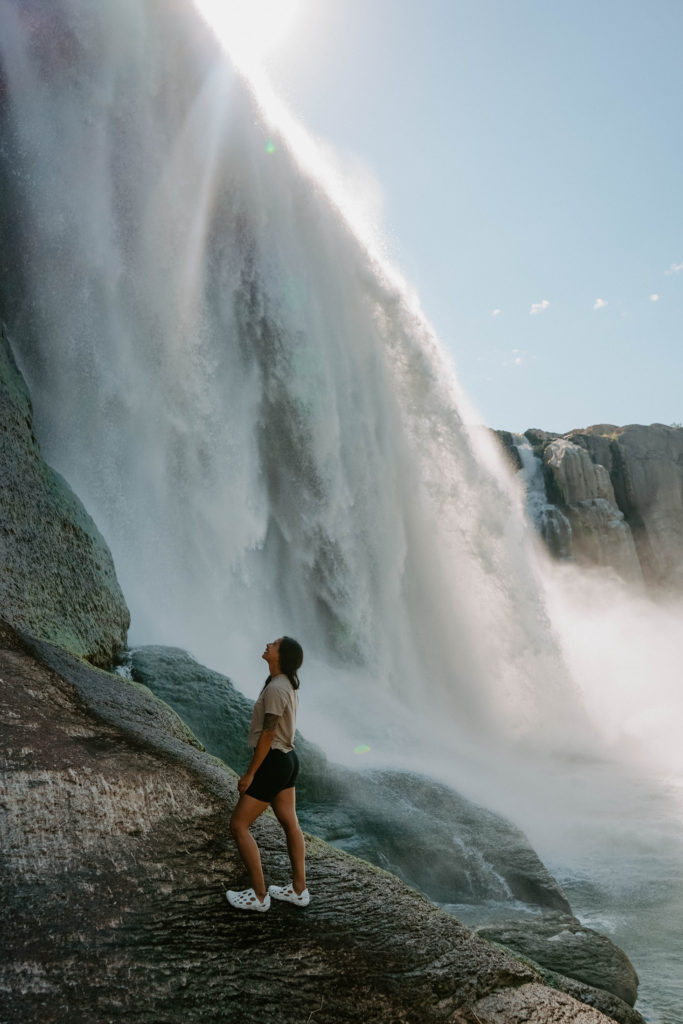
column 57, row 576
column 562, row 944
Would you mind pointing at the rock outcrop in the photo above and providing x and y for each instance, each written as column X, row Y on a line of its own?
column 115, row 859
column 621, row 488
column 452, row 850
column 600, row 535
column 57, row 576
column 567, row 947
column 646, row 469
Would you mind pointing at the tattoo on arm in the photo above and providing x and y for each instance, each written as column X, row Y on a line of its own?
column 270, row 722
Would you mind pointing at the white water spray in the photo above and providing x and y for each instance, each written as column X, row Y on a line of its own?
column 248, row 402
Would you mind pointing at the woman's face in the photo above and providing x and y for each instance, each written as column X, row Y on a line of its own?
column 272, row 652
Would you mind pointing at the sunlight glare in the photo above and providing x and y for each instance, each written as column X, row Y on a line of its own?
column 250, row 29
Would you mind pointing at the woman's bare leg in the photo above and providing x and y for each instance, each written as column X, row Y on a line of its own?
column 284, row 806
column 245, row 814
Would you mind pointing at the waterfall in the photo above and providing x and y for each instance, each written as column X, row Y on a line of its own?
column 258, row 416
column 248, row 400
column 550, row 521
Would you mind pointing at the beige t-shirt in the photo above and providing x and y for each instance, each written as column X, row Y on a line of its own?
column 278, row 698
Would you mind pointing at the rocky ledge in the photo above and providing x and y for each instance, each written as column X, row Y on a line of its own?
column 114, row 834
column 448, row 848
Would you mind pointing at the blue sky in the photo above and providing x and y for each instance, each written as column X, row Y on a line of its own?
column 528, row 152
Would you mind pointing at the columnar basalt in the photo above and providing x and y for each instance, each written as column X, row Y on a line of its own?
column 621, row 489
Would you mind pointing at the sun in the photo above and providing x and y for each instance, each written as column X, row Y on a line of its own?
column 250, row 29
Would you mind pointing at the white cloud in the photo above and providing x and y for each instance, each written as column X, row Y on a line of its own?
column 654, row 297
column 496, row 312
column 538, row 307
column 517, row 358
column 675, row 268
column 599, row 304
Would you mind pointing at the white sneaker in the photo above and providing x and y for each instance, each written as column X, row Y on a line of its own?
column 247, row 900
column 288, row 894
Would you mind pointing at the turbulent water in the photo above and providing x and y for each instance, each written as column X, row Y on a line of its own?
column 255, row 411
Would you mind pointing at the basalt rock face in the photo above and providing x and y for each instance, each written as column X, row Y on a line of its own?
column 622, row 490
column 115, row 859
column 646, row 468
column 600, row 535
column 57, row 576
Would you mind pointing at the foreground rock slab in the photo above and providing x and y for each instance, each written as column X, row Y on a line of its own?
column 115, row 860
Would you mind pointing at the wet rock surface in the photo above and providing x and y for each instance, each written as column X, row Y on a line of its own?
column 115, row 859
column 57, row 576
column 562, row 944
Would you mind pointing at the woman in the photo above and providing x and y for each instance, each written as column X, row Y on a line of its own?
column 270, row 779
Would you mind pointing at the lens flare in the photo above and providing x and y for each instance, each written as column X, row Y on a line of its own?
column 362, row 748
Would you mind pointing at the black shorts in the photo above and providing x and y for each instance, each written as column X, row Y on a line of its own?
column 278, row 771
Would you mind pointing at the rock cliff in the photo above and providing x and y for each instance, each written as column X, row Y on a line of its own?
column 621, row 489
column 57, row 576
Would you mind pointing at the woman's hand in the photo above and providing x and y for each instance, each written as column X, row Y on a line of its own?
column 245, row 782
column 264, row 744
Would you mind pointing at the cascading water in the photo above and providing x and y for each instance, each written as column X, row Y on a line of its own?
column 257, row 417
column 551, row 522
column 256, row 413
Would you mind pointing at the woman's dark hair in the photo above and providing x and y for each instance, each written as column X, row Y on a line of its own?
column 291, row 658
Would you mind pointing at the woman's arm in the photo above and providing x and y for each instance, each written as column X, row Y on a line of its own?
column 264, row 744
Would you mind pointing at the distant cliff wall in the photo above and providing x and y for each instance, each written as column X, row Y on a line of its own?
column 621, row 490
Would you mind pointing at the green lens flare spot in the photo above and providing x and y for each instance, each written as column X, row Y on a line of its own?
column 270, row 146
column 363, row 748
